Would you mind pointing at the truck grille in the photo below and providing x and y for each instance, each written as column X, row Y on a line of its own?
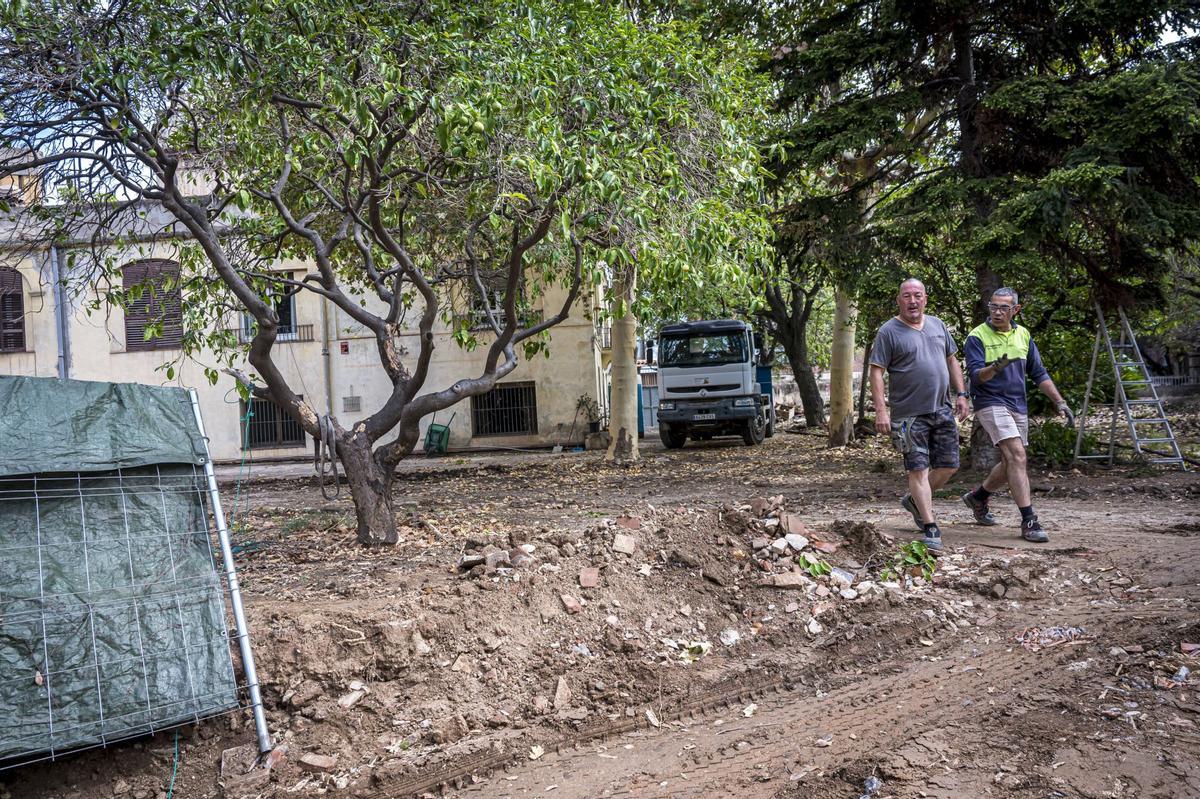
column 698, row 389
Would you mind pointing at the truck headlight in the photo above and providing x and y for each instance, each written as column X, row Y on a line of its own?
column 666, row 405
column 745, row 402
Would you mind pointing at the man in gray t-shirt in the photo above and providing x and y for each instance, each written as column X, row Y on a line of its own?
column 918, row 354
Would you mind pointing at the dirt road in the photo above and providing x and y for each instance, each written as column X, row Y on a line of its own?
column 694, row 662
column 965, row 711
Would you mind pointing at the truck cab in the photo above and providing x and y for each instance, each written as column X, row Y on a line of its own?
column 711, row 384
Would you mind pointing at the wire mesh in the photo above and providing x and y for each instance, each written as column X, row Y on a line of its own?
column 112, row 614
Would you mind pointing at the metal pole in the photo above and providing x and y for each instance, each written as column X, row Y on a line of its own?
column 1081, row 422
column 235, row 593
column 326, row 362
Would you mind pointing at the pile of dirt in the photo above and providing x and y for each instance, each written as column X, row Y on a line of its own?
column 530, row 634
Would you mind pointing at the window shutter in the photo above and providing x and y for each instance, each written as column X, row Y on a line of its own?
column 157, row 304
column 12, row 311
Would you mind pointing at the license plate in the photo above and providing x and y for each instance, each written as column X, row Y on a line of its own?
column 701, row 417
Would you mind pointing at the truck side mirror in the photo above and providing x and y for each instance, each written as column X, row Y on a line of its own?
column 761, row 356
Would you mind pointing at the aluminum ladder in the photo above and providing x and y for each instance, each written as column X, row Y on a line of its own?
column 1129, row 375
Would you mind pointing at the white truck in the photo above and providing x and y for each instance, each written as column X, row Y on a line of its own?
column 711, row 383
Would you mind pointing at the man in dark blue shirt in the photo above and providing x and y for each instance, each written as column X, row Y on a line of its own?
column 1000, row 356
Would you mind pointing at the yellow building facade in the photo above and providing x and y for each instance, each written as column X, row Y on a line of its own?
column 47, row 329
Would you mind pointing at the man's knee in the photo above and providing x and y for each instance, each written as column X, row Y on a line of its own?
column 1013, row 452
column 919, row 475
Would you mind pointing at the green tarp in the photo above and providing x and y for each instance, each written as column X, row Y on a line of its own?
column 112, row 616
column 49, row 425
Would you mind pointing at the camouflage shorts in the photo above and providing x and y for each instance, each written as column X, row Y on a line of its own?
column 927, row 441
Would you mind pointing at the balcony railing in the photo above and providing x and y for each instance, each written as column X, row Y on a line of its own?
column 1175, row 380
column 477, row 320
column 285, row 334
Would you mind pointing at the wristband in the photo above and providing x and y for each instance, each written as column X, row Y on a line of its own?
column 963, row 394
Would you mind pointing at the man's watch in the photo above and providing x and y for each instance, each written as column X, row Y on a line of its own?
column 963, row 394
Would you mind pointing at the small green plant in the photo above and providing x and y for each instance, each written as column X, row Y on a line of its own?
column 913, row 554
column 588, row 407
column 307, row 520
column 814, row 566
column 1054, row 442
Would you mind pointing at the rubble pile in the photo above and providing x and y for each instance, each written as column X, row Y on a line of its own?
column 532, row 632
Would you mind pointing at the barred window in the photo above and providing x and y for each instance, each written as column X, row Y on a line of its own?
column 160, row 302
column 12, row 311
column 509, row 409
column 269, row 426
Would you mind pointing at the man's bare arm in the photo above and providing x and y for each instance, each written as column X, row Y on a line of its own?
column 883, row 420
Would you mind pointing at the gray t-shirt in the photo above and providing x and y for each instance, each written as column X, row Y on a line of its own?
column 915, row 360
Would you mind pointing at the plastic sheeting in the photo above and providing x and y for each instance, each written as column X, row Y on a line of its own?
column 112, row 616
column 49, row 425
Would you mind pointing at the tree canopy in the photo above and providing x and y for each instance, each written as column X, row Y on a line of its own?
column 1023, row 141
column 410, row 153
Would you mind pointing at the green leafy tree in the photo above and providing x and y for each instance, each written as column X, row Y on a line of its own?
column 1051, row 146
column 410, row 153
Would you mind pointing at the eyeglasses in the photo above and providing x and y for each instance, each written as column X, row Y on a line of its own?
column 994, row 307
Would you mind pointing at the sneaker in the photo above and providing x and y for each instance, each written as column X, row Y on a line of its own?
column 1032, row 531
column 907, row 503
column 983, row 514
column 933, row 541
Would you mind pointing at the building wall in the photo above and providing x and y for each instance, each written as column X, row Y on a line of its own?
column 570, row 370
column 97, row 352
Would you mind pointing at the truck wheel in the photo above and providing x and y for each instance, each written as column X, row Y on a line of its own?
column 752, row 433
column 671, row 438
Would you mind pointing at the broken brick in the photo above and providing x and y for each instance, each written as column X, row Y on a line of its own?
column 589, row 577
column 791, row 523
column 311, row 761
column 625, row 544
column 786, row 580
column 562, row 694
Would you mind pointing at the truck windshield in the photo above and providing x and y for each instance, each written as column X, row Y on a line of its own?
column 703, row 350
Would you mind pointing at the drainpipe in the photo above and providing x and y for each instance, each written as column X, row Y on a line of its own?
column 326, row 364
column 62, row 329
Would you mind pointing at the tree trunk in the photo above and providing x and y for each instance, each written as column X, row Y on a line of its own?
column 371, row 489
column 796, row 348
column 983, row 454
column 986, row 283
column 623, row 416
column 971, row 164
column 810, row 393
column 862, row 383
column 841, row 368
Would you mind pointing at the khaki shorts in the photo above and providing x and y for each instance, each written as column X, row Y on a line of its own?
column 1000, row 422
